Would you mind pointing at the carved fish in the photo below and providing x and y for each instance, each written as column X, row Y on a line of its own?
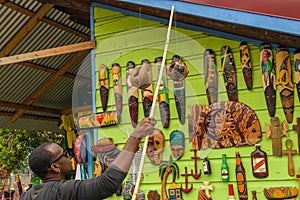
column 223, row 124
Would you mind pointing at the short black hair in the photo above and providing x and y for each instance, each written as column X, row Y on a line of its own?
column 40, row 159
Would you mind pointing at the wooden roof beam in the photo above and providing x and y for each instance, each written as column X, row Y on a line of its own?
column 30, row 107
column 8, row 114
column 48, row 52
column 25, row 29
column 48, row 84
column 46, row 20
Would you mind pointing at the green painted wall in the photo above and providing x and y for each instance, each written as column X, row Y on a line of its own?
column 121, row 38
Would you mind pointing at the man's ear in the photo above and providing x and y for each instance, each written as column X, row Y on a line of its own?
column 55, row 168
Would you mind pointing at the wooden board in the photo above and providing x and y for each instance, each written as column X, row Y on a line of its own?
column 268, row 77
column 229, row 73
column 210, row 76
column 285, row 82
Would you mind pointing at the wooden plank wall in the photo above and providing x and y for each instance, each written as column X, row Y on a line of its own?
column 121, row 38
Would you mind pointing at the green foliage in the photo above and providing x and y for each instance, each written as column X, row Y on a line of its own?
column 15, row 146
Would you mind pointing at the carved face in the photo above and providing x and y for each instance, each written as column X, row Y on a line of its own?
column 177, row 144
column 156, row 144
column 177, row 70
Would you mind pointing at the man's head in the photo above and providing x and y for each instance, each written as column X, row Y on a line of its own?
column 49, row 161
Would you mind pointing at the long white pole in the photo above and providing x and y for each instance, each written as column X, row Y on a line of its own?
column 136, row 189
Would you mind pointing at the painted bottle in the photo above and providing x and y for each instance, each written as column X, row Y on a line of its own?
column 230, row 192
column 224, row 169
column 253, row 195
column 259, row 163
column 206, row 166
column 241, row 178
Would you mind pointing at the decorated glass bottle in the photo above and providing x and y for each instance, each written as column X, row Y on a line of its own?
column 206, row 166
column 241, row 178
column 224, row 169
column 253, row 195
column 259, row 163
column 230, row 192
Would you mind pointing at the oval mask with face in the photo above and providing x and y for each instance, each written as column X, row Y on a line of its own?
column 177, row 144
column 156, row 144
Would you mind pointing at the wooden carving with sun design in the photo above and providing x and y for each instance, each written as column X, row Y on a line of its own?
column 223, row 124
column 165, row 170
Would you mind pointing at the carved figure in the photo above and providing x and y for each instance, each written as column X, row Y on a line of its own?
column 285, row 82
column 132, row 93
column 104, row 85
column 246, row 64
column 210, row 76
column 268, row 77
column 229, row 73
column 164, row 171
column 153, row 195
column 276, row 131
column 163, row 93
column 207, row 187
column 297, row 71
column 142, row 78
column 117, row 85
column 289, row 151
column 177, row 70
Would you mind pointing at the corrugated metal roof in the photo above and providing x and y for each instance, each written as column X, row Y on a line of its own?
column 18, row 82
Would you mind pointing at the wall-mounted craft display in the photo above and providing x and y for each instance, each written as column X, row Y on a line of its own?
column 276, row 131
column 132, row 94
column 104, row 85
column 259, row 162
column 282, row 192
column 210, row 76
column 177, row 71
column 155, row 147
column 289, row 151
column 297, row 71
column 229, row 73
column 206, row 187
column 246, row 64
column 97, row 120
column 117, row 85
column 285, row 82
column 177, row 144
column 223, row 124
column 141, row 77
column 174, row 190
column 163, row 93
column 195, row 174
column 268, row 77
column 241, row 178
column 187, row 188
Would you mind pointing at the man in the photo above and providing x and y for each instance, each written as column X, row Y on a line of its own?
column 50, row 162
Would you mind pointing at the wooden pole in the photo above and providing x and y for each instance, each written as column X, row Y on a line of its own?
column 136, row 189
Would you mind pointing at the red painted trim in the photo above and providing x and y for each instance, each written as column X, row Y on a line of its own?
column 278, row 8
